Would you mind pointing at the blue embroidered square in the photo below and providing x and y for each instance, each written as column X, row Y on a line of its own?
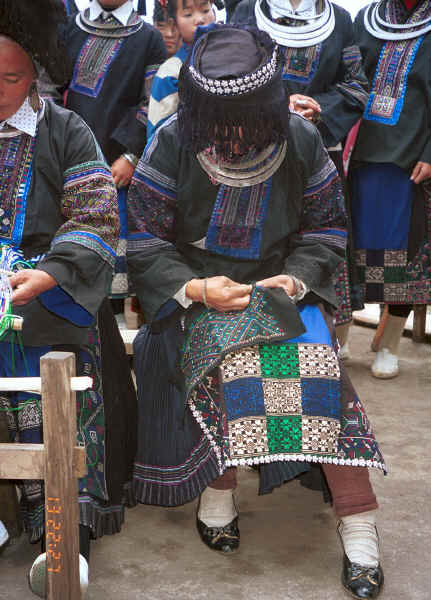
column 244, row 398
column 321, row 397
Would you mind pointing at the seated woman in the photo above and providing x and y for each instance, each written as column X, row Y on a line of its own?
column 58, row 231
column 238, row 223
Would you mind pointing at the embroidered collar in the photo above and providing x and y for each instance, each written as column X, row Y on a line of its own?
column 389, row 27
column 25, row 120
column 245, row 172
column 315, row 30
column 305, row 10
column 122, row 13
column 109, row 30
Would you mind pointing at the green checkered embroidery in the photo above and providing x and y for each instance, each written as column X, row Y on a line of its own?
column 279, row 361
column 284, row 434
column 395, row 274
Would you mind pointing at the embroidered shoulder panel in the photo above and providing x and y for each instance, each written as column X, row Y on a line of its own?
column 16, row 156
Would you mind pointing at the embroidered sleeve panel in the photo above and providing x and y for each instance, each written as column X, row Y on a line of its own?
column 153, row 192
column 355, row 82
column 90, row 208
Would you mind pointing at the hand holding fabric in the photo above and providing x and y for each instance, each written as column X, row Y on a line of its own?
column 122, row 172
column 279, row 281
column 28, row 284
column 221, row 293
column 421, row 172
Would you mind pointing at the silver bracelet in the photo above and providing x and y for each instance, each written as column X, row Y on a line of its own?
column 131, row 158
column 204, row 293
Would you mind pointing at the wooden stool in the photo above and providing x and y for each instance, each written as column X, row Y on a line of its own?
column 9, row 508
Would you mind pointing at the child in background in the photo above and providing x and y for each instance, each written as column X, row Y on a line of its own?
column 188, row 15
column 167, row 27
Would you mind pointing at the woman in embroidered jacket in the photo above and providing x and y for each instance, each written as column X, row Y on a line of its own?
column 238, row 191
column 391, row 209
column 324, row 78
column 115, row 55
column 59, row 226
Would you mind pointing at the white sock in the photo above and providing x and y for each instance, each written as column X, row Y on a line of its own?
column 360, row 540
column 216, row 508
column 4, row 536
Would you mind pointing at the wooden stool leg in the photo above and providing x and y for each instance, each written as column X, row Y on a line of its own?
column 380, row 329
column 61, row 486
column 419, row 323
column 9, row 509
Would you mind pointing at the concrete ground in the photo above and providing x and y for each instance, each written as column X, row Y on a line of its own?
column 289, row 548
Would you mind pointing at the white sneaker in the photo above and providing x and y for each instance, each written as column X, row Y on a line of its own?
column 385, row 365
column 4, row 536
column 37, row 575
column 344, row 352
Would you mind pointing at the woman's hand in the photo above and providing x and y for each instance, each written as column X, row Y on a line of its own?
column 28, row 284
column 305, row 106
column 222, row 293
column 279, row 281
column 421, row 172
column 122, row 172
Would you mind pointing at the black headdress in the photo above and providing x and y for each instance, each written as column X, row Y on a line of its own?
column 231, row 92
column 35, row 27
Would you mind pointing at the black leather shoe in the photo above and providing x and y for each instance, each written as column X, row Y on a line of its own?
column 223, row 539
column 361, row 582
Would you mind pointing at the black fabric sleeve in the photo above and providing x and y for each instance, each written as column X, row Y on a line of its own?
column 319, row 246
column 131, row 132
column 156, row 268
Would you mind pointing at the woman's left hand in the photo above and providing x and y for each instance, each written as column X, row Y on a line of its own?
column 421, row 172
column 279, row 281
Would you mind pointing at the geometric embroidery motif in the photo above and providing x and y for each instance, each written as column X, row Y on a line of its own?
column 284, row 434
column 237, row 220
column 282, row 396
column 320, row 435
column 93, row 63
column 279, row 361
column 382, row 275
column 244, row 398
column 318, row 360
column 301, row 63
column 273, row 393
column 244, row 363
column 321, row 397
column 248, row 437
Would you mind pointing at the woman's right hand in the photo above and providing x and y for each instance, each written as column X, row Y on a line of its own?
column 222, row 293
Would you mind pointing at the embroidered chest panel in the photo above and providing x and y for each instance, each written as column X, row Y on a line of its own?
column 93, row 63
column 387, row 97
column 16, row 155
column 237, row 221
column 396, row 59
column 301, row 63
